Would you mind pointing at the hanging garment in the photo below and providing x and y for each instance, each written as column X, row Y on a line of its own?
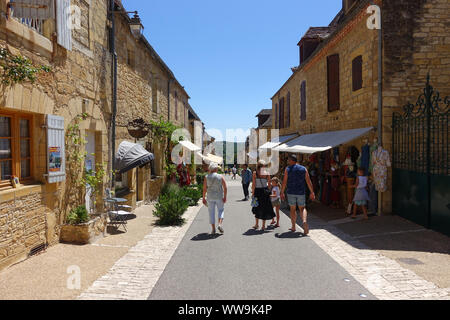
column 365, row 159
column 381, row 161
column 373, row 148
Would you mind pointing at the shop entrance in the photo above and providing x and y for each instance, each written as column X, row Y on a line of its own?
column 421, row 180
column 90, row 167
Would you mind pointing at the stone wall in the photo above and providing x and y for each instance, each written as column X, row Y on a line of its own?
column 415, row 42
column 23, row 224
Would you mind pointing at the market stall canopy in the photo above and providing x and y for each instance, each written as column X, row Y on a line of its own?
column 190, row 146
column 131, row 155
column 319, row 142
column 253, row 154
column 277, row 141
column 211, row 158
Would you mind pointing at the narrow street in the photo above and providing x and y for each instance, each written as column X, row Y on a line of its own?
column 245, row 264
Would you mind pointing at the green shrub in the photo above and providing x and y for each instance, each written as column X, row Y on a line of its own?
column 192, row 194
column 78, row 215
column 170, row 187
column 170, row 206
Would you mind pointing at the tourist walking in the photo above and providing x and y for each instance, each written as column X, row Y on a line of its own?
column 246, row 176
column 295, row 179
column 261, row 203
column 215, row 195
column 234, row 170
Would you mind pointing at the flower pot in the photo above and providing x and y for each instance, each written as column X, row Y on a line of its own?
column 84, row 233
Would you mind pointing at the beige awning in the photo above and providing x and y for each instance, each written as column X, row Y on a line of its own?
column 319, row 142
column 190, row 146
column 277, row 141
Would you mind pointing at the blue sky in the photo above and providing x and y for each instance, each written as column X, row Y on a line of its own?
column 231, row 56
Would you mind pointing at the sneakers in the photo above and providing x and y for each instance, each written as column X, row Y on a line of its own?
column 220, row 229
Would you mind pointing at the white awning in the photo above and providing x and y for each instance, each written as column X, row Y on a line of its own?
column 190, row 146
column 276, row 141
column 211, row 158
column 319, row 142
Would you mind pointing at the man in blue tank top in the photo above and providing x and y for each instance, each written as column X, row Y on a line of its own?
column 295, row 179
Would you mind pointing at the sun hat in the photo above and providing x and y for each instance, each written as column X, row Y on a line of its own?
column 213, row 166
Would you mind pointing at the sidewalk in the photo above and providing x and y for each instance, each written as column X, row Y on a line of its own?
column 424, row 252
column 44, row 277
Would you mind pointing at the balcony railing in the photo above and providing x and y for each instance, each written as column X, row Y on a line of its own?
column 35, row 24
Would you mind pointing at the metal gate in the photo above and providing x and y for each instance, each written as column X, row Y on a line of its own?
column 421, row 180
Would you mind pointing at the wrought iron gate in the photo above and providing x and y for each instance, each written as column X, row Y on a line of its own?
column 421, row 180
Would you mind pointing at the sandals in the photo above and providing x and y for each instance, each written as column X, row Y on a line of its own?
column 255, row 227
column 292, row 230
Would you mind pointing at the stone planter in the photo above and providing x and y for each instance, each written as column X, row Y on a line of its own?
column 84, row 233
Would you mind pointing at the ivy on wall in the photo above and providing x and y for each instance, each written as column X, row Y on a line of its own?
column 18, row 69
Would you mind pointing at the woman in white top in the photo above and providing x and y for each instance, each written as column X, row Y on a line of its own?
column 215, row 189
column 361, row 194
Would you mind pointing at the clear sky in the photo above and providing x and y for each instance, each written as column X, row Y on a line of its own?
column 231, row 56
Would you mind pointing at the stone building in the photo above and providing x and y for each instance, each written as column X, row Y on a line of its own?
column 35, row 117
column 335, row 86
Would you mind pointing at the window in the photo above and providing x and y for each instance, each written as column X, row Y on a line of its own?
column 288, row 111
column 176, row 106
column 15, row 148
column 276, row 116
column 333, row 82
column 303, row 101
column 357, row 73
column 130, row 58
column 154, row 94
column 281, row 114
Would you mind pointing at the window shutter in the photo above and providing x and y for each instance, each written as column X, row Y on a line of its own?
column 34, row 9
column 281, row 121
column 303, row 101
column 56, row 153
column 333, row 82
column 357, row 73
column 288, row 111
column 63, row 24
column 276, row 115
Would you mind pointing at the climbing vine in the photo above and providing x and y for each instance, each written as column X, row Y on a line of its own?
column 78, row 176
column 17, row 69
column 162, row 132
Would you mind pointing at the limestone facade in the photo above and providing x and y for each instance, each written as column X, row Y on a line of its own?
column 415, row 42
column 80, row 81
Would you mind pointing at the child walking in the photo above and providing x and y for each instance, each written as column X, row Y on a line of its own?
column 361, row 194
column 215, row 188
column 275, row 197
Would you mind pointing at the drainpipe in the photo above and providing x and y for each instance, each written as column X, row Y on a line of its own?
column 380, row 93
column 114, row 91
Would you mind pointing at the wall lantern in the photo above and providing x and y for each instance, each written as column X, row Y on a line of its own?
column 136, row 26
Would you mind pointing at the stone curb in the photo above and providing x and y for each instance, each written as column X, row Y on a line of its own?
column 134, row 276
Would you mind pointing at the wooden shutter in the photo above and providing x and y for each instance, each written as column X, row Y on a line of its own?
column 276, row 116
column 303, row 101
column 55, row 149
column 333, row 82
column 63, row 24
column 281, row 121
column 357, row 73
column 288, row 110
column 34, row 9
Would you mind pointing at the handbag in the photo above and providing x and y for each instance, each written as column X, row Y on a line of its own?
column 255, row 202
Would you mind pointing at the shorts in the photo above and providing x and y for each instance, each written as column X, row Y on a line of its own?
column 296, row 200
column 276, row 203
